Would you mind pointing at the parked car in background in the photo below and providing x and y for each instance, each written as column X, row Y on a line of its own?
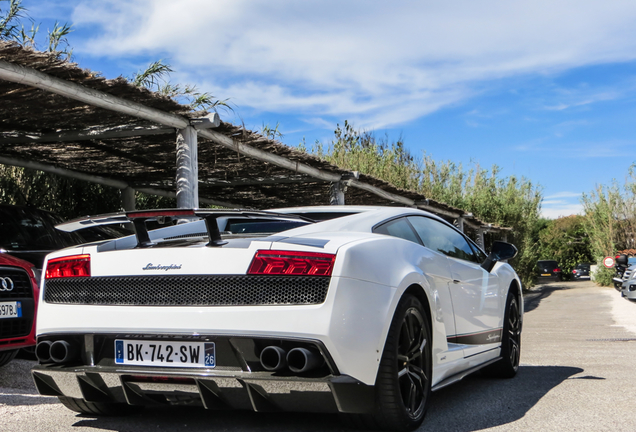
column 19, row 294
column 628, row 286
column 581, row 271
column 29, row 233
column 548, row 270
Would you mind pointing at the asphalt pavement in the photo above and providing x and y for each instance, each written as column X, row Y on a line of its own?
column 576, row 374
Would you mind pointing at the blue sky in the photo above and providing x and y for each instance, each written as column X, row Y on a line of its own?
column 544, row 89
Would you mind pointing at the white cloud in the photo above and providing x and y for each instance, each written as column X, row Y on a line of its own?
column 563, row 195
column 560, row 209
column 377, row 63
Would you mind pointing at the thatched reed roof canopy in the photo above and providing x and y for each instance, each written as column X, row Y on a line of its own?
column 56, row 116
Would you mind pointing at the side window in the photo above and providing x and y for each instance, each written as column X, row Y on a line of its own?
column 398, row 228
column 442, row 238
column 481, row 257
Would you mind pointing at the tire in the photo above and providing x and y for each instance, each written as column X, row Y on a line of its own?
column 508, row 366
column 98, row 408
column 7, row 356
column 403, row 384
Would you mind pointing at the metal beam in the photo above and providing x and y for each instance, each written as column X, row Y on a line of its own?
column 64, row 172
column 119, row 184
column 87, row 134
column 34, row 78
column 264, row 156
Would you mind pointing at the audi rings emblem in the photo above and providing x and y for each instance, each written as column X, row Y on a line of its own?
column 7, row 284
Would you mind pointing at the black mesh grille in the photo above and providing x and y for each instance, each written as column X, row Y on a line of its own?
column 15, row 327
column 188, row 290
column 21, row 283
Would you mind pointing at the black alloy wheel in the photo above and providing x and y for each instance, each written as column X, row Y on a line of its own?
column 403, row 384
column 508, row 366
column 411, row 363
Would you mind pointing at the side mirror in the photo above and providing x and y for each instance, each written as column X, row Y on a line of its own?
column 500, row 251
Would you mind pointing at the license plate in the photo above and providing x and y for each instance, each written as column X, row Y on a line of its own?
column 165, row 354
column 546, row 274
column 10, row 310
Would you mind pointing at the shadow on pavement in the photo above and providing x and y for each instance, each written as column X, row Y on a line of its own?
column 479, row 403
column 532, row 299
column 472, row 404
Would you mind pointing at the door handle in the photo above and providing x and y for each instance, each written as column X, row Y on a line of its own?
column 455, row 281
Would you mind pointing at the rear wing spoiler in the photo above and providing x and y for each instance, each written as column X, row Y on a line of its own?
column 139, row 218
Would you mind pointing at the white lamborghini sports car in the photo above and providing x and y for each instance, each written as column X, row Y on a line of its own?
column 363, row 314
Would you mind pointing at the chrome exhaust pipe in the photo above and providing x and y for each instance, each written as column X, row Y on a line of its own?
column 303, row 360
column 62, row 351
column 273, row 358
column 43, row 351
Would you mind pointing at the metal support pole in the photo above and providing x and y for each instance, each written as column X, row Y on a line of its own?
column 460, row 224
column 480, row 238
column 128, row 199
column 337, row 193
column 187, row 168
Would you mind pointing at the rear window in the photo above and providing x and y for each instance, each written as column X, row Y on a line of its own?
column 247, row 226
column 548, row 265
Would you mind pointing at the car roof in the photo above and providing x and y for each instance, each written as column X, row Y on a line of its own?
column 363, row 221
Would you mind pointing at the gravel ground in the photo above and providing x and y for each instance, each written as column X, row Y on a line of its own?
column 579, row 343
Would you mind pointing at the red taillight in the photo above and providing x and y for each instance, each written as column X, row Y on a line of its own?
column 574, row 271
column 70, row 266
column 556, row 270
column 269, row 262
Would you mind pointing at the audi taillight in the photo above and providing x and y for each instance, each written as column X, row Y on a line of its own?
column 70, row 266
column 270, row 262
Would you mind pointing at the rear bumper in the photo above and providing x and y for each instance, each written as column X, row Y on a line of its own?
column 257, row 391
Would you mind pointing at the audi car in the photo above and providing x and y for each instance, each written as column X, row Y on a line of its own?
column 18, row 303
column 364, row 314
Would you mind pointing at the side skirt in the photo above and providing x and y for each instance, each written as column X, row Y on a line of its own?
column 458, row 377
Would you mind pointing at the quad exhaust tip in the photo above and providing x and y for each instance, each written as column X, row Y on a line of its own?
column 302, row 360
column 274, row 358
column 59, row 351
column 297, row 360
column 43, row 351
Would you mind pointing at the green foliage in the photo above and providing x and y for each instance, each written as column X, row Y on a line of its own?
column 67, row 197
column 57, row 36
column 511, row 201
column 566, row 241
column 610, row 219
column 9, row 19
column 12, row 28
column 271, row 133
column 155, row 78
column 610, row 216
column 603, row 276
